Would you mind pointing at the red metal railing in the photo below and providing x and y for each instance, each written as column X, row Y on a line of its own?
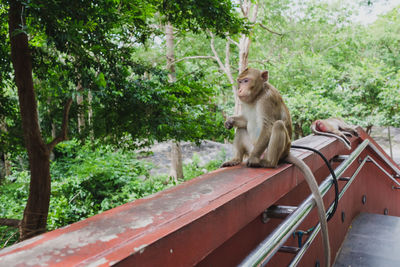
column 212, row 220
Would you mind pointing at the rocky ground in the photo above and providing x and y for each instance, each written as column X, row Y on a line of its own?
column 380, row 135
column 209, row 150
column 205, row 152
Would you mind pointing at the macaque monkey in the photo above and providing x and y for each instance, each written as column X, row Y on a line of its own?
column 263, row 133
column 334, row 127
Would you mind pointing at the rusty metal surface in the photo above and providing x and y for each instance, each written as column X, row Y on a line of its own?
column 179, row 226
column 212, row 220
column 371, row 183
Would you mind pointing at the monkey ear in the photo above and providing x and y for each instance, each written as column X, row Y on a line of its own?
column 264, row 75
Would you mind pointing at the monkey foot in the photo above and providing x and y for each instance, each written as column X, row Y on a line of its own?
column 231, row 163
column 253, row 165
column 265, row 164
column 260, row 164
column 253, row 162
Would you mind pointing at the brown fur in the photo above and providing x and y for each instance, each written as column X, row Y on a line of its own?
column 265, row 116
column 265, row 127
column 334, row 127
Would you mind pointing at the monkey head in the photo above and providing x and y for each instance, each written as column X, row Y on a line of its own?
column 250, row 84
column 320, row 126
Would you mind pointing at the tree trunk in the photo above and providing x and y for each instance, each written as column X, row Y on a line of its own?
column 53, row 125
column 368, row 129
column 390, row 142
column 10, row 222
column 90, row 109
column 79, row 102
column 7, row 163
column 169, row 36
column 90, row 114
column 176, row 170
column 35, row 214
column 249, row 11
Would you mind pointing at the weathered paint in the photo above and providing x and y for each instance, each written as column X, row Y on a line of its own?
column 210, row 220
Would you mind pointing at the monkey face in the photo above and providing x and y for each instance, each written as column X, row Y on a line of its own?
column 245, row 89
column 320, row 126
column 250, row 84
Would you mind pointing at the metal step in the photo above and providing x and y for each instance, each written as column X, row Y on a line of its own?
column 372, row 240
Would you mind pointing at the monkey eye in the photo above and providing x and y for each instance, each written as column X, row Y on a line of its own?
column 246, row 80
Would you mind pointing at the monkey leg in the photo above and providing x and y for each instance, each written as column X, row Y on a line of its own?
column 349, row 130
column 339, row 133
column 278, row 146
column 242, row 147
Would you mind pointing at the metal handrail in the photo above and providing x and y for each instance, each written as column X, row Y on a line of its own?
column 317, row 228
column 269, row 246
column 384, row 157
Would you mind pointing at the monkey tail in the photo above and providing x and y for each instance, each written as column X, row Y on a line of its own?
column 312, row 183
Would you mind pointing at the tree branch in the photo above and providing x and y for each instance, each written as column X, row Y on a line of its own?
column 191, row 57
column 262, row 62
column 254, row 14
column 64, row 127
column 233, row 41
column 271, row 31
column 10, row 222
column 215, row 52
column 242, row 8
column 227, row 63
column 330, row 47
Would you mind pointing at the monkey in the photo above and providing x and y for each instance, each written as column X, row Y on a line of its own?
column 263, row 134
column 334, row 127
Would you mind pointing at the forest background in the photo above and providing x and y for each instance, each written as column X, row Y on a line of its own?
column 85, row 84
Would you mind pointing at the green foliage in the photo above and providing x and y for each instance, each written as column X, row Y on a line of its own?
column 164, row 111
column 323, row 63
column 197, row 15
column 92, row 178
column 389, row 98
column 307, row 107
column 88, row 179
column 13, row 197
column 195, row 169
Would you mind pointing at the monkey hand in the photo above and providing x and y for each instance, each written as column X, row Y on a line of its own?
column 231, row 163
column 229, row 123
column 253, row 162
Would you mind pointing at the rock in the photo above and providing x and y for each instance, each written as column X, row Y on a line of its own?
column 380, row 135
column 203, row 153
column 209, row 150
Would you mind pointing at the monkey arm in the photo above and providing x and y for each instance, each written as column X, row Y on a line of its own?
column 236, row 121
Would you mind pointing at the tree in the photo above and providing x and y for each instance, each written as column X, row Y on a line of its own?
column 194, row 23
column 176, row 170
column 35, row 214
column 249, row 14
column 92, row 45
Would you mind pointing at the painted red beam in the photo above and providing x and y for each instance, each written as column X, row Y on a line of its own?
column 180, row 226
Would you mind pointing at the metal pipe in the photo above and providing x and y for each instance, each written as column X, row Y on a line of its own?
column 279, row 212
column 317, row 228
column 270, row 245
column 311, row 238
column 382, row 169
column 383, row 156
column 286, row 249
